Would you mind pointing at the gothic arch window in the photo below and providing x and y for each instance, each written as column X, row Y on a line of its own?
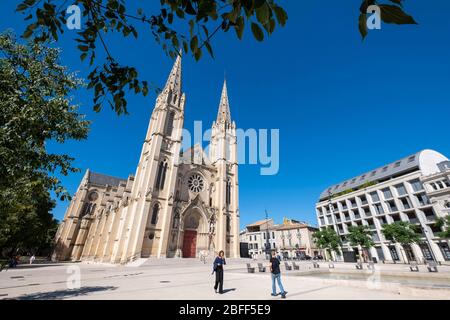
column 228, row 224
column 161, row 175
column 228, row 192
column 155, row 213
column 169, row 124
column 196, row 183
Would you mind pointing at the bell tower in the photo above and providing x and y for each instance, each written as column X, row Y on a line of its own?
column 146, row 220
column 223, row 156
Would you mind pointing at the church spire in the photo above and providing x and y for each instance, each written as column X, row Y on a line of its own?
column 224, row 107
column 174, row 81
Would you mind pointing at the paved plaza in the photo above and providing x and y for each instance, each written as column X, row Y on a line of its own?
column 192, row 279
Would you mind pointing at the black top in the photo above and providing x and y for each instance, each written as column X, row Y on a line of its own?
column 275, row 265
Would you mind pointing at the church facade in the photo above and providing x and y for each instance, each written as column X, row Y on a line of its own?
column 179, row 203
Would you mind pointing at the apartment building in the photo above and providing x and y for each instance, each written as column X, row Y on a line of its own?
column 414, row 189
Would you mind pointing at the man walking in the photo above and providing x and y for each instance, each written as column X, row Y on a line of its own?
column 276, row 275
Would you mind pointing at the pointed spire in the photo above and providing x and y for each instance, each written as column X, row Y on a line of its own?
column 224, row 107
column 174, row 80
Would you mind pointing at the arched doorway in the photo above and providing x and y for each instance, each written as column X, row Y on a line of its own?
column 193, row 233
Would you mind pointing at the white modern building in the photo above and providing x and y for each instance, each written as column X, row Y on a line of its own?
column 414, row 189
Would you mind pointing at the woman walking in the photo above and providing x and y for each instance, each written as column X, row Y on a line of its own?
column 218, row 269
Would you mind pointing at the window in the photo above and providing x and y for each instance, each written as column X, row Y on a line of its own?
column 397, row 164
column 423, row 199
column 378, row 208
column 373, row 173
column 228, row 192
column 392, row 206
column 264, row 235
column 405, row 203
column 363, row 200
column 387, row 193
column 161, row 176
column 385, row 169
column 400, row 189
column 416, row 185
column 394, row 253
column 155, row 214
column 169, row 124
column 375, row 197
column 411, row 159
column 273, row 235
column 195, row 183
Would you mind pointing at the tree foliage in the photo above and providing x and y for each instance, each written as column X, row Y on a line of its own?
column 401, row 232
column 390, row 12
column 35, row 109
column 328, row 239
column 360, row 236
column 202, row 19
column 444, row 223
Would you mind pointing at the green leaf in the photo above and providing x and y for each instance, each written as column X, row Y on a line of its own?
column 363, row 25
column 395, row 14
column 281, row 15
column 257, row 32
column 263, row 13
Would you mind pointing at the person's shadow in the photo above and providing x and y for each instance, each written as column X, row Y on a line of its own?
column 228, row 290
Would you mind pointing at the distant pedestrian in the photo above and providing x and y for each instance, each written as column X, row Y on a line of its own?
column 32, row 258
column 218, row 269
column 276, row 276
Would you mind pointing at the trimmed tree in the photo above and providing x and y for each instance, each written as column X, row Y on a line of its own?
column 328, row 240
column 361, row 237
column 403, row 233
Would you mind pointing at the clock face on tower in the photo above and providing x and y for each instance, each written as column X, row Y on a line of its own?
column 195, row 183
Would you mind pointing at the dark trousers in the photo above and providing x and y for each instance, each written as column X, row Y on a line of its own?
column 219, row 279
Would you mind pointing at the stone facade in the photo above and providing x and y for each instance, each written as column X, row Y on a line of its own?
column 178, row 204
column 291, row 239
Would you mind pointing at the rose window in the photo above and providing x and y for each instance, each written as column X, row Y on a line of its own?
column 195, row 183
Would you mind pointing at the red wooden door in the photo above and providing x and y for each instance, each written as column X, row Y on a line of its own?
column 189, row 243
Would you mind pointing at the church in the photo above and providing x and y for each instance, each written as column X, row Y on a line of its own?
column 179, row 203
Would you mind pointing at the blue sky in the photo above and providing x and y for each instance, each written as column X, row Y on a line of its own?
column 343, row 106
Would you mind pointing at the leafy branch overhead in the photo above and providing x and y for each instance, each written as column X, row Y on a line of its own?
column 389, row 13
column 202, row 20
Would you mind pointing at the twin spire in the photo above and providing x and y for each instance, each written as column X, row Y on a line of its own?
column 224, row 116
column 174, row 83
